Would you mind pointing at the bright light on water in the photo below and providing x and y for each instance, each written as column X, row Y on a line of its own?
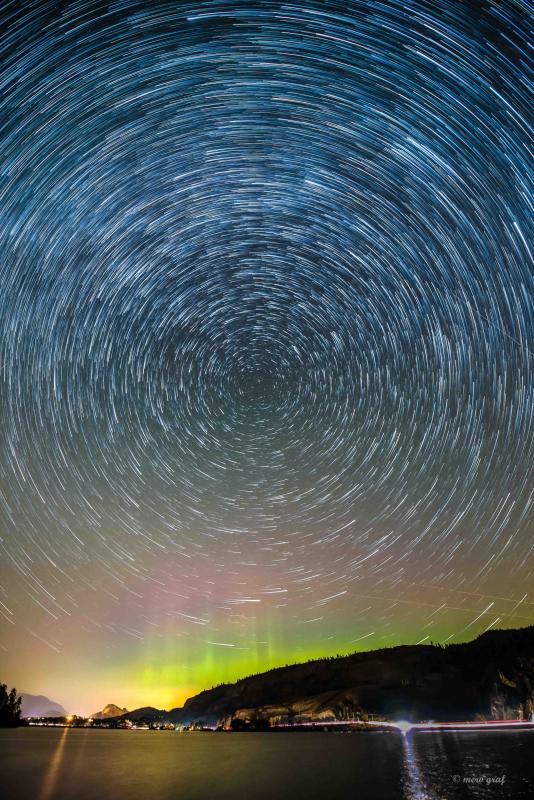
column 403, row 726
column 413, row 788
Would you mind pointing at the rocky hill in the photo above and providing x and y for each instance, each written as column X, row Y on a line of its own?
column 110, row 712
column 491, row 677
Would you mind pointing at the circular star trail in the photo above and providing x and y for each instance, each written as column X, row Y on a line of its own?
column 266, row 309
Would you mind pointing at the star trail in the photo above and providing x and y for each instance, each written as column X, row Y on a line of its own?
column 266, row 336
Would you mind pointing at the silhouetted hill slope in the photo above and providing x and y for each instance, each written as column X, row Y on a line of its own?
column 492, row 676
column 146, row 713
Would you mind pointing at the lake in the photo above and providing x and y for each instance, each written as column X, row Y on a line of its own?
column 85, row 764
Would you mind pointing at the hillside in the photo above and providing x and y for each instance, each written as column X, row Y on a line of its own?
column 493, row 677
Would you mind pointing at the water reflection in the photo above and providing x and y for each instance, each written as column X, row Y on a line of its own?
column 413, row 785
column 52, row 774
column 70, row 764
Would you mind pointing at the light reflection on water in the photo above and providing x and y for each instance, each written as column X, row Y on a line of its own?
column 51, row 777
column 70, row 764
column 413, row 784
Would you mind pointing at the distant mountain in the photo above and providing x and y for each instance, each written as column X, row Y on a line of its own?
column 109, row 712
column 491, row 677
column 37, row 705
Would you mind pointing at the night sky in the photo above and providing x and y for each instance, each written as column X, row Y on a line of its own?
column 266, row 337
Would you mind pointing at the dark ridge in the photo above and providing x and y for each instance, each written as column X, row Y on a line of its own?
column 491, row 677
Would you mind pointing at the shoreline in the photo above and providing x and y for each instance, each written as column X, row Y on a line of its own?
column 402, row 728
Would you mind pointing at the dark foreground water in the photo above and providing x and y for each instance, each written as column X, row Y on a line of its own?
column 70, row 764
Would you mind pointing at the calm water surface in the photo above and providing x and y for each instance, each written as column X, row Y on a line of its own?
column 69, row 764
